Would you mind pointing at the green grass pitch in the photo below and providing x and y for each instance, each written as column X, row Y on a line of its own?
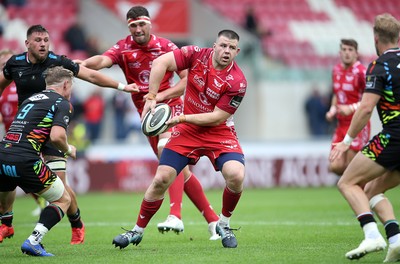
column 282, row 225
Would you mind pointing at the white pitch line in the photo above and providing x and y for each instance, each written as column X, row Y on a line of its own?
column 234, row 223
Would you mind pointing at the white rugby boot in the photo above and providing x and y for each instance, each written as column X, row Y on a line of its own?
column 172, row 223
column 393, row 254
column 368, row 245
column 212, row 229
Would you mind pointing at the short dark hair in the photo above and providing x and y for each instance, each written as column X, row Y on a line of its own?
column 229, row 34
column 35, row 28
column 136, row 12
column 349, row 42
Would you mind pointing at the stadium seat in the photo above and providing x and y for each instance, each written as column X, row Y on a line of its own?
column 58, row 17
column 279, row 15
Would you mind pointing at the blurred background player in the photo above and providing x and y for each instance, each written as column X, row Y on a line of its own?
column 348, row 78
column 41, row 117
column 9, row 97
column 206, row 128
column 26, row 70
column 134, row 55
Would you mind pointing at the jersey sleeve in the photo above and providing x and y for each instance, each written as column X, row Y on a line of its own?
column 114, row 53
column 361, row 78
column 63, row 114
column 232, row 98
column 7, row 70
column 375, row 78
column 70, row 65
column 185, row 55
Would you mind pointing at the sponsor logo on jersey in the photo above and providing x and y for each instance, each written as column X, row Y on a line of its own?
column 134, row 65
column 144, row 76
column 12, row 137
column 231, row 144
column 217, row 84
column 347, row 87
column 199, row 80
column 66, row 120
column 156, row 54
column 349, row 78
column 236, row 100
column 198, row 105
column 370, row 81
column 184, row 51
column 172, row 46
column 229, row 77
column 203, row 98
column 38, row 97
column 213, row 94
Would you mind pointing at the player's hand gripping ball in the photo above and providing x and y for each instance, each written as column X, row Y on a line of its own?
column 154, row 125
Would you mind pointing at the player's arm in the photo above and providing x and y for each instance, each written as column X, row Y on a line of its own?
column 332, row 110
column 175, row 91
column 102, row 80
column 347, row 109
column 358, row 122
column 3, row 83
column 58, row 137
column 213, row 118
column 160, row 66
column 363, row 113
column 97, row 62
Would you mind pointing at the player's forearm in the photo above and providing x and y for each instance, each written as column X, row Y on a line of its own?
column 156, row 76
column 58, row 138
column 96, row 63
column 172, row 92
column 99, row 79
column 359, row 121
column 204, row 119
column 159, row 67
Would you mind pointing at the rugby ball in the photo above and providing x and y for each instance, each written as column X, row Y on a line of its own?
column 154, row 124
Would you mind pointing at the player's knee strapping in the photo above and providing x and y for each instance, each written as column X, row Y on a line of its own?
column 57, row 165
column 55, row 191
column 376, row 199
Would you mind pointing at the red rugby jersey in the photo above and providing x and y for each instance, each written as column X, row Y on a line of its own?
column 9, row 104
column 348, row 85
column 208, row 87
column 136, row 60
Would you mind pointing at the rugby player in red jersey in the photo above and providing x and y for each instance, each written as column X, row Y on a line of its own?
column 348, row 78
column 215, row 88
column 135, row 55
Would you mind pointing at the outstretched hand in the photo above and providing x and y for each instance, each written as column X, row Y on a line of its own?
column 72, row 153
column 149, row 105
column 131, row 88
column 345, row 110
column 338, row 150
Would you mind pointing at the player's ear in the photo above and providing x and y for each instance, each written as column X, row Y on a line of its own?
column 65, row 86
